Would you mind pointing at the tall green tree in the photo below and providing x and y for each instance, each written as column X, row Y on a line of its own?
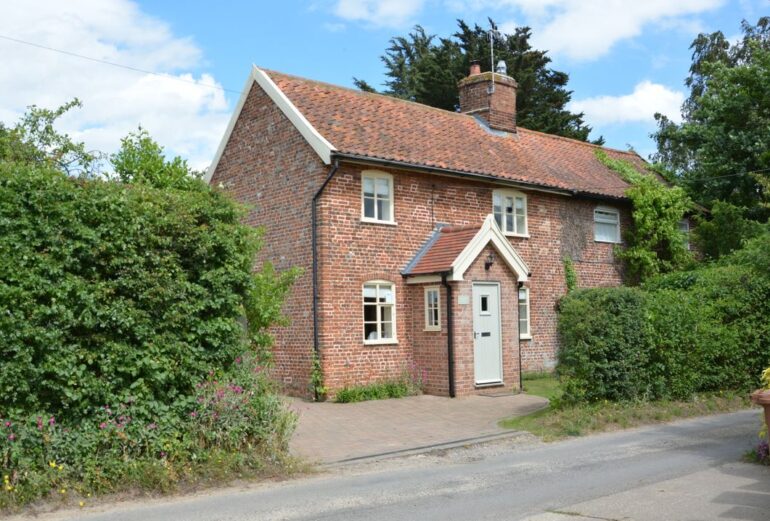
column 425, row 68
column 724, row 136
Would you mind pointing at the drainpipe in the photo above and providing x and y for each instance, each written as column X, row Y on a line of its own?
column 518, row 322
column 314, row 246
column 449, row 335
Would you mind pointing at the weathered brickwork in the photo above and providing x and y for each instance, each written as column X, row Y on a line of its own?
column 429, row 347
column 353, row 252
column 268, row 166
column 496, row 105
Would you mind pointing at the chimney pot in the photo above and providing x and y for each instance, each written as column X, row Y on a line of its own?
column 475, row 68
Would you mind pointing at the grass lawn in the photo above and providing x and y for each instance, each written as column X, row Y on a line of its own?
column 555, row 423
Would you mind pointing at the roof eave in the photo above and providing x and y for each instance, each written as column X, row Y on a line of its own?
column 405, row 165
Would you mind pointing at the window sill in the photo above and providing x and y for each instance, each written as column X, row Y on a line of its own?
column 525, row 337
column 375, row 221
column 380, row 342
column 608, row 242
column 519, row 235
column 432, row 329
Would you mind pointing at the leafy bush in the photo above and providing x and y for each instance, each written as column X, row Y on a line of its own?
column 603, row 344
column 682, row 333
column 115, row 293
column 724, row 231
column 122, row 337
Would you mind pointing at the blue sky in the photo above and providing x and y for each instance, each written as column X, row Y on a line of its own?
column 625, row 59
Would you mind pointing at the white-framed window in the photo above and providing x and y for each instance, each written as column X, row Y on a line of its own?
column 524, row 324
column 379, row 312
column 684, row 229
column 432, row 309
column 377, row 197
column 510, row 210
column 606, row 224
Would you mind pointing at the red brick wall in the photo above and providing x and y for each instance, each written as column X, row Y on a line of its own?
column 430, row 347
column 353, row 252
column 268, row 166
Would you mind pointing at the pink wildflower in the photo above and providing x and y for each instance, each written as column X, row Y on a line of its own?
column 103, row 425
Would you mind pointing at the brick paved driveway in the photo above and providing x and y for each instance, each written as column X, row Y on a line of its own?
column 333, row 432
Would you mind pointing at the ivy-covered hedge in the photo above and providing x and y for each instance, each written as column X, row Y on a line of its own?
column 686, row 332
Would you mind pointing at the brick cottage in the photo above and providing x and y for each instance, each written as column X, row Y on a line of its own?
column 429, row 239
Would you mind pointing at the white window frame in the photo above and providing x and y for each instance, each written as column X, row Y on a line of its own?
column 607, row 209
column 503, row 224
column 429, row 309
column 528, row 334
column 684, row 229
column 378, row 321
column 374, row 175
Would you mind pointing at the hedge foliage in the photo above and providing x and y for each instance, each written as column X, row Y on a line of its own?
column 126, row 359
column 114, row 293
column 682, row 333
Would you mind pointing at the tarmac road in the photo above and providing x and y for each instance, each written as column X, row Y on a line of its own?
column 688, row 470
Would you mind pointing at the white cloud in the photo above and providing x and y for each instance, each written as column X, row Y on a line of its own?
column 577, row 29
column 186, row 118
column 587, row 30
column 391, row 13
column 639, row 106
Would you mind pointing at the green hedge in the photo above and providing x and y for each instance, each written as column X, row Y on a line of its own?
column 124, row 358
column 113, row 293
column 687, row 332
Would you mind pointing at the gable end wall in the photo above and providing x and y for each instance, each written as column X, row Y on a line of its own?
column 268, row 166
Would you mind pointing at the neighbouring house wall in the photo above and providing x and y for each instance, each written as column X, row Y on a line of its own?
column 268, row 166
column 463, row 316
column 352, row 252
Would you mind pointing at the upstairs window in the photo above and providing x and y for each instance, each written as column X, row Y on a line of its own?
column 377, row 197
column 684, row 229
column 510, row 211
column 379, row 313
column 432, row 309
column 606, row 224
column 524, row 331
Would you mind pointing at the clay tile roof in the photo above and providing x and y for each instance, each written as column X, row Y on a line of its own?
column 386, row 128
column 442, row 249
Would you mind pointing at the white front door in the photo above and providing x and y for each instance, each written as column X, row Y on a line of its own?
column 487, row 349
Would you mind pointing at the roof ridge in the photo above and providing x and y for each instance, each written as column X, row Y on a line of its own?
column 444, row 111
column 370, row 94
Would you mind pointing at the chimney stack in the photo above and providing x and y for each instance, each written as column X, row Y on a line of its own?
column 490, row 96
